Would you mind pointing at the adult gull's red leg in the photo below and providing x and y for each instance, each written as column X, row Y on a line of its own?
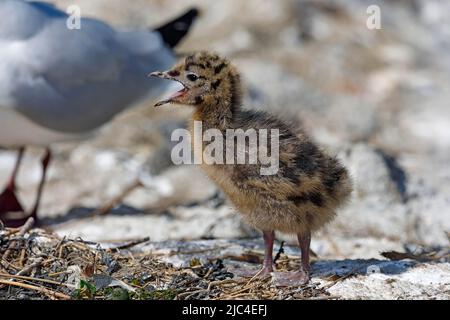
column 8, row 199
column 45, row 162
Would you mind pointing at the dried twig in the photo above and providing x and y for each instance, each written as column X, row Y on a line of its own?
column 28, row 269
column 280, row 251
column 196, row 251
column 14, row 276
column 246, row 288
column 48, row 292
column 131, row 244
column 325, row 298
column 254, row 277
column 190, row 294
column 422, row 257
column 27, row 226
column 108, row 206
column 23, row 254
column 215, row 283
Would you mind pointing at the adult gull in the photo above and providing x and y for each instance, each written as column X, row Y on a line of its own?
column 59, row 84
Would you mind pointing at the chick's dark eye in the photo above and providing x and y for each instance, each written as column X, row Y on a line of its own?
column 192, row 77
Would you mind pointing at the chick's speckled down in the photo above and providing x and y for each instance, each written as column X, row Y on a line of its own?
column 309, row 186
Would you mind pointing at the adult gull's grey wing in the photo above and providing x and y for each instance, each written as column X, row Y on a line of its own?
column 73, row 81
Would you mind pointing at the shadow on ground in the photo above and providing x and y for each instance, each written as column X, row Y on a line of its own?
column 346, row 267
column 78, row 213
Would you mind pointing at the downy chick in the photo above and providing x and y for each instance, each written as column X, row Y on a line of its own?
column 299, row 198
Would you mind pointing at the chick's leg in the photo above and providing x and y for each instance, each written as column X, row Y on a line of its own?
column 302, row 276
column 269, row 238
column 304, row 241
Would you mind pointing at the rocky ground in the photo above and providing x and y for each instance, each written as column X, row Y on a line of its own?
column 377, row 98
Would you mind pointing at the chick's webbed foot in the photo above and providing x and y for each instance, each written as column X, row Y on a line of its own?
column 251, row 273
column 269, row 238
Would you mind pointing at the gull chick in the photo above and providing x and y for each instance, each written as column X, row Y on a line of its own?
column 305, row 192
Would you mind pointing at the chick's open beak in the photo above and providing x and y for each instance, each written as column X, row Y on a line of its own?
column 170, row 75
column 160, row 74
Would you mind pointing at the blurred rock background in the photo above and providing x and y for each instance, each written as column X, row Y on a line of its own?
column 377, row 98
